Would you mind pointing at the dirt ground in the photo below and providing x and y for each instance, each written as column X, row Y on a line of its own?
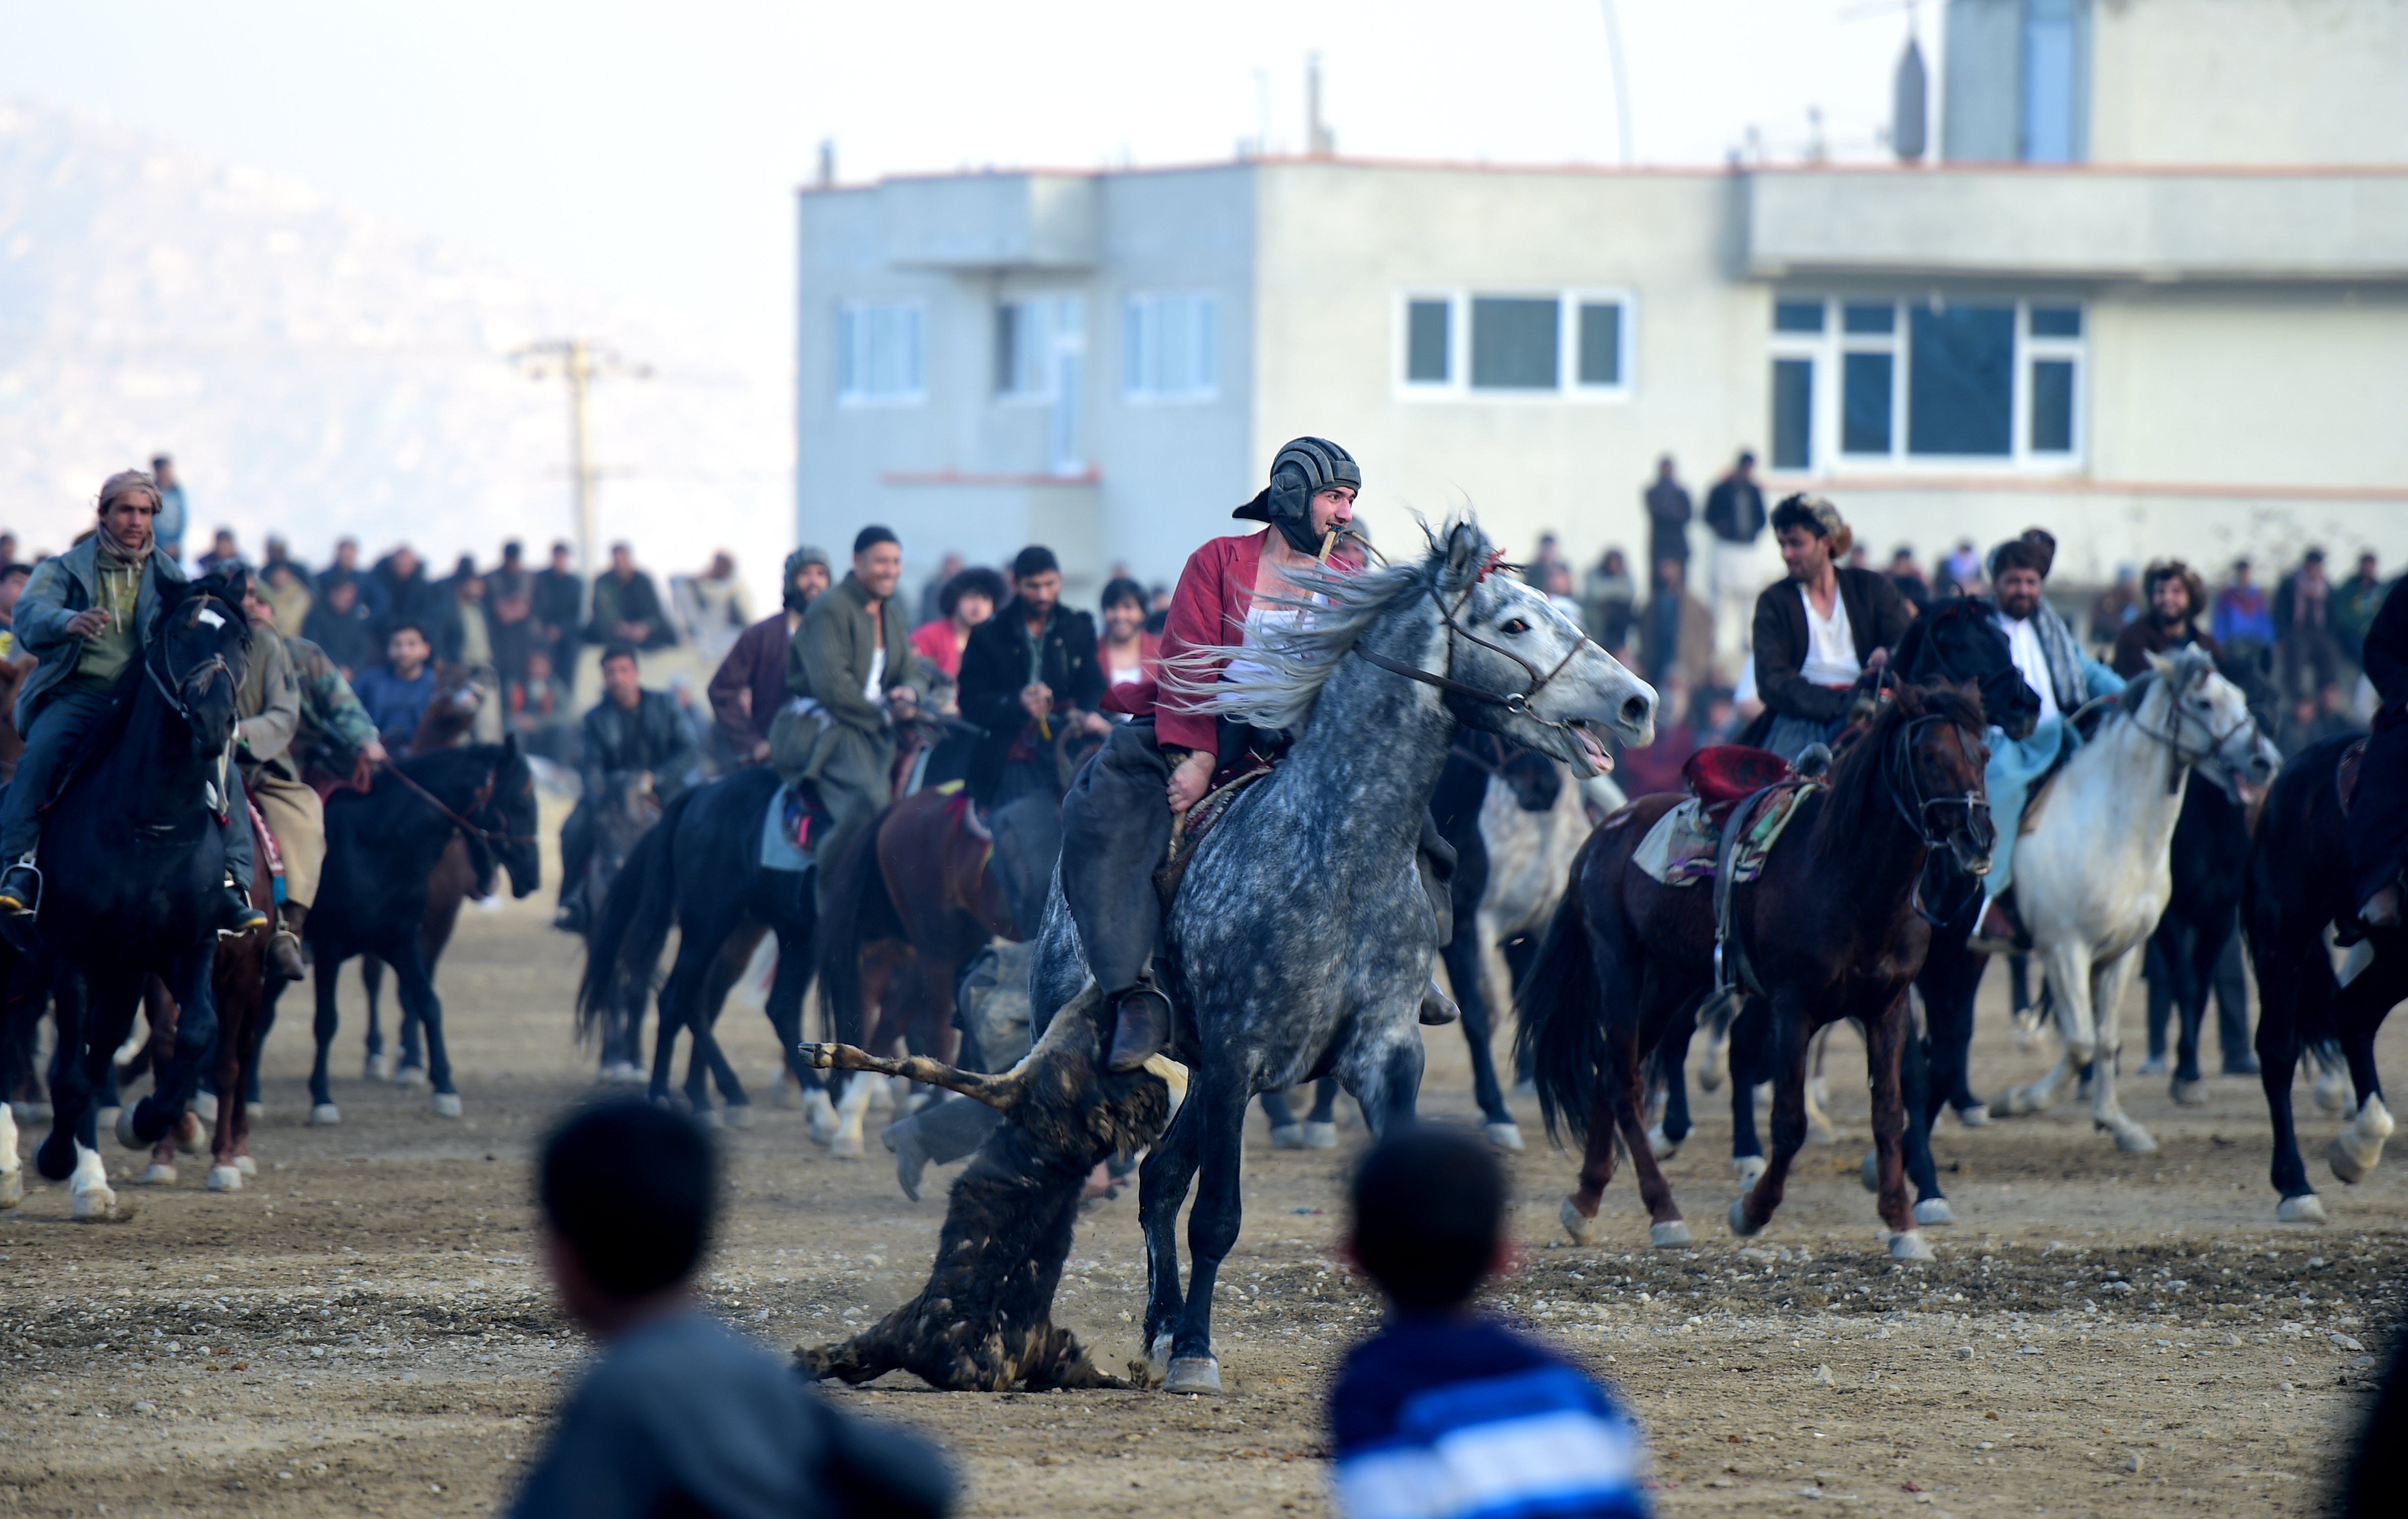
column 363, row 1328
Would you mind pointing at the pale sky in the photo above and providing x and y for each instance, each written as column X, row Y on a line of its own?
column 648, row 152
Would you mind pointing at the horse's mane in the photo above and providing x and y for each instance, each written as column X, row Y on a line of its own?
column 1298, row 662
column 1856, row 795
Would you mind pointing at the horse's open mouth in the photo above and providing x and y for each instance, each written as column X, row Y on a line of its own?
column 1600, row 762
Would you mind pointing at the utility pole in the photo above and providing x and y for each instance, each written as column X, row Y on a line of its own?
column 581, row 362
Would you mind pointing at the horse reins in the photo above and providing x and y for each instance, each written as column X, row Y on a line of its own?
column 1516, row 702
column 484, row 797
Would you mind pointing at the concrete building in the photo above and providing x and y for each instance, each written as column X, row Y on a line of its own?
column 2153, row 294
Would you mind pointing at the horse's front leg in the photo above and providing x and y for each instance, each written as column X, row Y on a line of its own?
column 195, row 1039
column 1212, row 1229
column 1162, row 1183
column 323, row 980
column 2069, row 988
column 1786, row 1043
column 2107, row 986
column 72, row 1132
column 1667, row 1230
column 2358, row 1010
column 1578, row 1212
column 1464, row 974
column 1885, row 1034
column 414, row 986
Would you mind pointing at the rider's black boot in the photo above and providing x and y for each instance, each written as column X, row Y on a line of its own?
column 240, row 916
column 21, row 890
column 1438, row 1008
column 285, row 948
column 1141, row 1029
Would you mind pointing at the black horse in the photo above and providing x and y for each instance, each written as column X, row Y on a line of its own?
column 135, row 886
column 382, row 846
column 698, row 870
column 2300, row 882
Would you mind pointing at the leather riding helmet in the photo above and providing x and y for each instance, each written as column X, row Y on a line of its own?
column 1303, row 469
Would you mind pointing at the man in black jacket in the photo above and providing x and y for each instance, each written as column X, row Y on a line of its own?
column 2378, row 823
column 1026, row 672
column 630, row 729
column 557, row 612
column 1816, row 630
column 1735, row 516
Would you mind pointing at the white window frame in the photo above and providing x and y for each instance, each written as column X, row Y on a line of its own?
column 1133, row 388
column 1055, row 337
column 849, row 318
column 1568, row 300
column 1829, row 386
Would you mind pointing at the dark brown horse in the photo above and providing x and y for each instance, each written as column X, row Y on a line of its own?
column 451, row 714
column 1829, row 930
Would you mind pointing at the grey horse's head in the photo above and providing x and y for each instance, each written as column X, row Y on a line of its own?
column 1542, row 682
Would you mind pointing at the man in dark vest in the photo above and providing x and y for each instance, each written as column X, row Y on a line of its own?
column 630, row 729
column 1028, row 673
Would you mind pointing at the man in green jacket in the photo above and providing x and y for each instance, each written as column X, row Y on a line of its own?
column 87, row 614
column 852, row 674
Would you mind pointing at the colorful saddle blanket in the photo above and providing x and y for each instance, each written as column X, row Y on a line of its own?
column 1680, row 849
column 794, row 821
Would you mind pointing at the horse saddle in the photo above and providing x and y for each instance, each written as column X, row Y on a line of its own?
column 2346, row 775
column 1189, row 830
column 802, row 816
column 1722, row 775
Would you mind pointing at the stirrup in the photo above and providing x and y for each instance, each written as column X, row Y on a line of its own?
column 33, row 908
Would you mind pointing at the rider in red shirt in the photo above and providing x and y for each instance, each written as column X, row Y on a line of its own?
column 1116, row 820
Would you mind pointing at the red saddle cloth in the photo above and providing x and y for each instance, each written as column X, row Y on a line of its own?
column 1725, row 775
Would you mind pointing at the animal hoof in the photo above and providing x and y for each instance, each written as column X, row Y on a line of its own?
column 2189, row 1093
column 205, row 1104
column 447, row 1104
column 1193, row 1375
column 1663, row 1145
column 2131, row 1137
column 187, row 1135
column 411, row 1078
column 1319, row 1136
column 12, row 1188
column 1976, row 1116
column 246, row 1166
column 255, row 1110
column 158, row 1174
column 1506, row 1137
column 819, row 1116
column 1738, row 1224
column 1747, row 1169
column 326, row 1115
column 1288, row 1137
column 368, row 1071
column 95, row 1206
column 1670, row 1234
column 739, row 1115
column 1933, row 1211
column 1581, row 1228
column 123, row 1125
column 2344, row 1165
column 709, row 1118
column 1908, row 1245
column 2307, row 1208
column 785, row 1095
column 2333, row 1094
column 225, row 1179
column 1869, row 1173
column 846, row 1147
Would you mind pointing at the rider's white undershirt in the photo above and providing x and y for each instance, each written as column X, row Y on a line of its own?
column 1830, row 644
column 1263, row 624
column 2031, row 661
column 876, row 688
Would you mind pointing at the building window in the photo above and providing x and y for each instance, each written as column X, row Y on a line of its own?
column 1568, row 343
column 2051, row 82
column 1024, row 344
column 1975, row 382
column 1167, row 348
column 878, row 357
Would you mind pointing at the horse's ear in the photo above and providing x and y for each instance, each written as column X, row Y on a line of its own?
column 2159, row 663
column 1467, row 555
column 509, row 749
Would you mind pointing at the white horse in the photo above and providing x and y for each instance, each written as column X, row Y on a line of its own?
column 2092, row 875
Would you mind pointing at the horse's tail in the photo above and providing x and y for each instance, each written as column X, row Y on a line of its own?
column 624, row 947
column 856, row 904
column 1560, row 1019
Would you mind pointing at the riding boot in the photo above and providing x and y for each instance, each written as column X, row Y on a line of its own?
column 1141, row 1029
column 1438, row 1008
column 2000, row 931
column 291, row 959
column 240, row 916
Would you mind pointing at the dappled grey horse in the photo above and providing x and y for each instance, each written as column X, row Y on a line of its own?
column 1301, row 941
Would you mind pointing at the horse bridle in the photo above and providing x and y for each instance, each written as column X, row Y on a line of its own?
column 174, row 694
column 1516, row 702
column 1917, row 815
column 2171, row 738
column 488, row 836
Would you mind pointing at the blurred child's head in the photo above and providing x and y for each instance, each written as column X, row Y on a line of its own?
column 1428, row 1222
column 627, row 1192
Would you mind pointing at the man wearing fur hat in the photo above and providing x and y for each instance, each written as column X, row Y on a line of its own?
column 1816, row 631
column 2063, row 677
column 2172, row 596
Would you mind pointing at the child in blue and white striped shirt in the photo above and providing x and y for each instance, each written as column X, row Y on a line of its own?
column 1446, row 1413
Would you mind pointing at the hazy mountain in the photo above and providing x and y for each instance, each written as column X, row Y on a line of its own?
column 317, row 372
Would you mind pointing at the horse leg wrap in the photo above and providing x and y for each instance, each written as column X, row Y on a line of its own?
column 2358, row 1148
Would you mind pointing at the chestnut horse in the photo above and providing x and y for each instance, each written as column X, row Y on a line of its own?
column 1829, row 928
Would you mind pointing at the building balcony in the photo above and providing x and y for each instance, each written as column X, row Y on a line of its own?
column 971, row 222
column 2335, row 225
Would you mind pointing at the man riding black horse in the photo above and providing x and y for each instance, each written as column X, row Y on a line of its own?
column 2378, row 832
column 629, row 730
column 89, row 615
column 1116, row 820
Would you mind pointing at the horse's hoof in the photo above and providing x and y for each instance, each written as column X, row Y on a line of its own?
column 1976, row 1116
column 1869, row 1173
column 368, row 1071
column 246, row 1166
column 12, row 1188
column 125, row 1135
column 1672, row 1234
column 2131, row 1137
column 189, row 1133
column 326, row 1115
column 2018, row 1102
column 739, row 1115
column 1738, row 1224
column 159, row 1173
column 1193, row 1375
column 255, row 1110
column 97, row 1205
column 785, row 1094
column 113, row 1119
column 204, row 1105
column 411, row 1078
column 2333, row 1092
column 225, row 1179
column 1506, row 1137
column 1157, row 1357
column 1661, row 1144
column 2188, row 1093
column 1582, row 1228
column 1908, row 1245
column 708, row 1117
column 1747, row 1169
column 2307, row 1208
column 846, row 1147
column 1934, row 1211
column 1288, row 1137
column 819, row 1116
column 1319, row 1136
column 446, row 1104
column 2346, row 1164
